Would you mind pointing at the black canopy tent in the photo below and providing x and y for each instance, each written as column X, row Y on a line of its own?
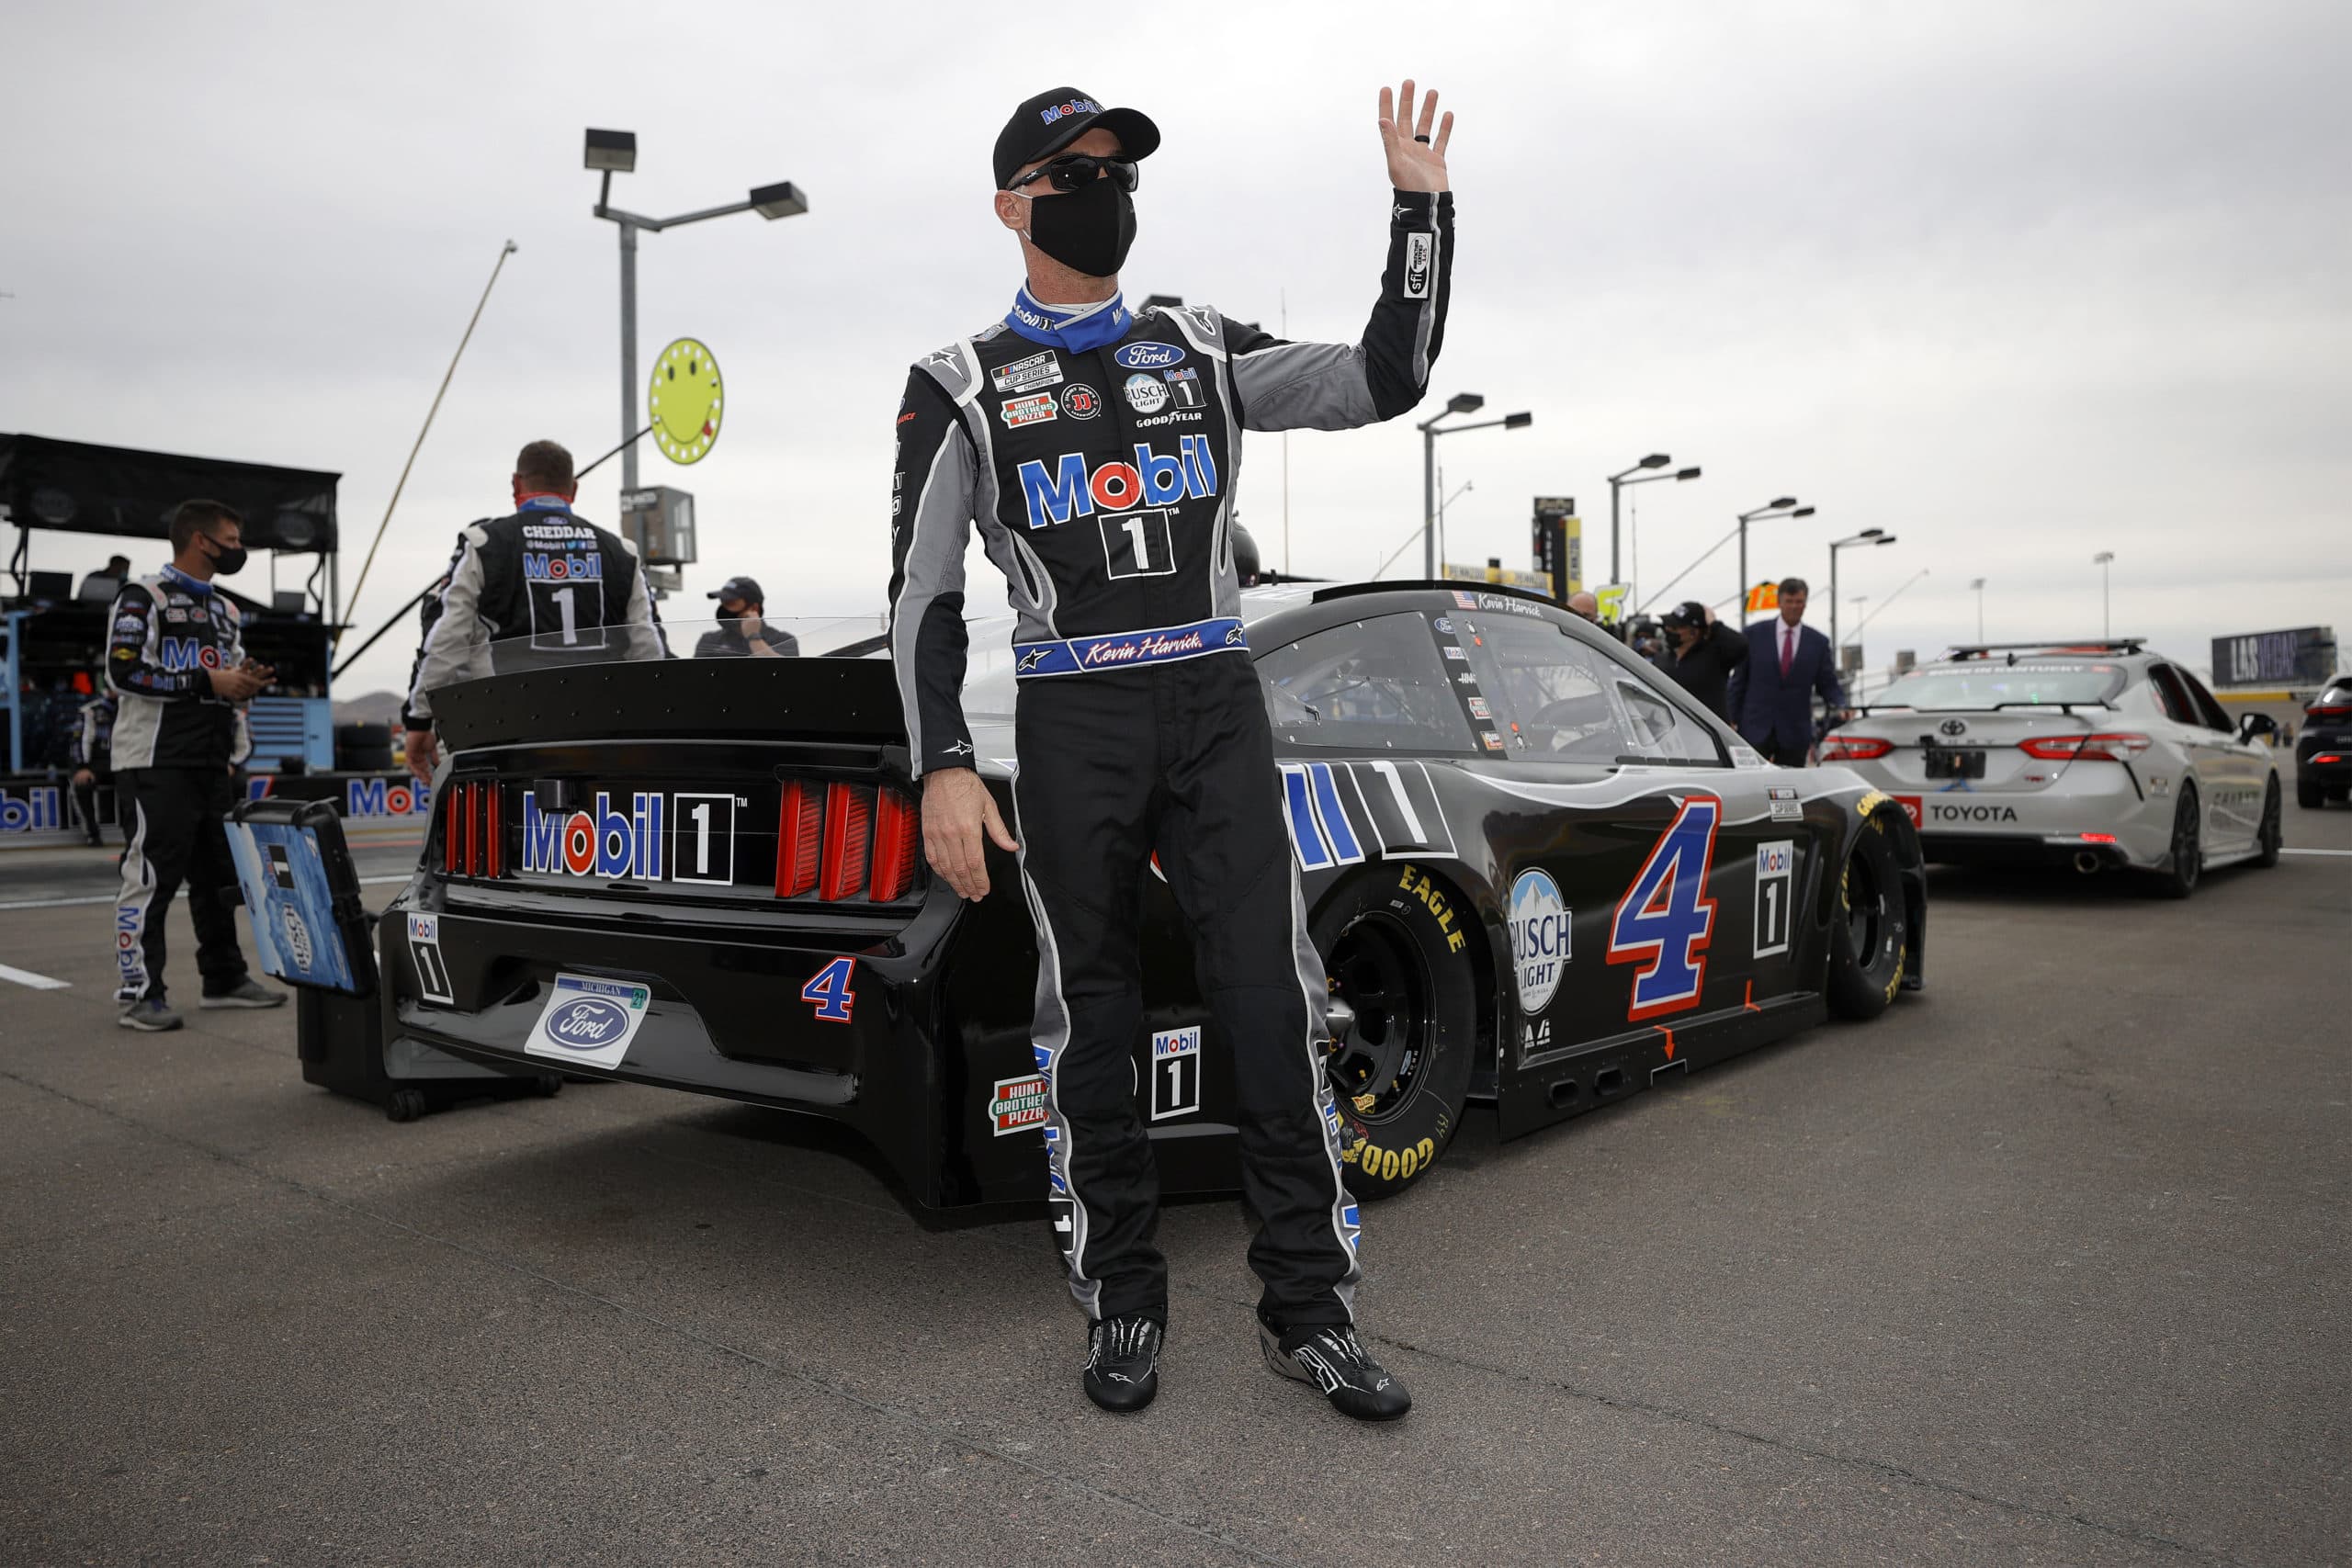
column 77, row 487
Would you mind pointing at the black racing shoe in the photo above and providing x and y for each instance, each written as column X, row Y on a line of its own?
column 1335, row 1361
column 1123, row 1363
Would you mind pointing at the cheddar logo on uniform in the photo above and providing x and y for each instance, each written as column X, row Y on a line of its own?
column 1069, row 490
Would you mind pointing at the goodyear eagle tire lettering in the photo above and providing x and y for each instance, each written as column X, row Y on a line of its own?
column 1869, row 928
column 1396, row 944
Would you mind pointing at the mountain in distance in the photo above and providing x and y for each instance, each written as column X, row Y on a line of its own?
column 369, row 707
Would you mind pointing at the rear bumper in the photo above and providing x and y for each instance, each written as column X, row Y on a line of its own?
column 2022, row 849
column 2335, row 773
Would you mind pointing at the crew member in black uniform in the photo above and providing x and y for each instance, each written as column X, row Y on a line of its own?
column 1700, row 653
column 92, row 758
column 1097, row 451
column 743, row 631
column 538, row 587
column 175, row 661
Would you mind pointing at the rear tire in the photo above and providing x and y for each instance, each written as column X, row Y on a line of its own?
column 2310, row 794
column 2268, row 836
column 1401, row 1077
column 2179, row 880
column 1870, row 929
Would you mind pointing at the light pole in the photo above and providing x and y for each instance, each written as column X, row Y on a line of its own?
column 2106, row 621
column 1785, row 507
column 615, row 152
column 1461, row 402
column 1617, row 483
column 1867, row 536
column 1978, row 584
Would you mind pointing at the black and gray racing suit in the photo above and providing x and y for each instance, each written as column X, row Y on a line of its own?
column 538, row 588
column 175, row 749
column 1098, row 453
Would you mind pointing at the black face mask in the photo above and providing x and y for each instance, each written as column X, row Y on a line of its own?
column 1088, row 231
column 228, row 560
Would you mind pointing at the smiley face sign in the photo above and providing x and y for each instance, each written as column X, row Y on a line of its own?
column 683, row 403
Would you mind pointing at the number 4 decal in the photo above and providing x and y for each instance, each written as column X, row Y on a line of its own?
column 1664, row 919
column 830, row 990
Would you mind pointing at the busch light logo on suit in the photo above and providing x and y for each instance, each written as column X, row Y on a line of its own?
column 1539, row 939
column 1147, row 355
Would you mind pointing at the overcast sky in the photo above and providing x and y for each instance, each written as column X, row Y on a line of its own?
column 2017, row 282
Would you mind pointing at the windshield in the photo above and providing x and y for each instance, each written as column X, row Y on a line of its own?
column 1541, row 695
column 1937, row 688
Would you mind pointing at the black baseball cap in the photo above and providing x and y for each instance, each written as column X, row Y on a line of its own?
column 1690, row 613
column 1045, row 124
column 741, row 588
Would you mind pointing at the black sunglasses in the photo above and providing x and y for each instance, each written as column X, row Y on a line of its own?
column 1081, row 169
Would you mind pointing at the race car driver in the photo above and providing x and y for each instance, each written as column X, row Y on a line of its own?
column 1097, row 450
column 538, row 587
column 177, row 664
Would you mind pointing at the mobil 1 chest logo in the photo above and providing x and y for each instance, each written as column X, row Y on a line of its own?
column 639, row 835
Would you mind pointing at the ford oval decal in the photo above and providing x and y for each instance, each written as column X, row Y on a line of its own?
column 1147, row 356
column 586, row 1024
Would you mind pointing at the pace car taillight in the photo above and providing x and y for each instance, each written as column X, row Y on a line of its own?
column 2100, row 748
column 472, row 830
column 842, row 841
column 1853, row 748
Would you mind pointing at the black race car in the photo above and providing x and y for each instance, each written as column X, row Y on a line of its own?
column 1541, row 879
column 2323, row 750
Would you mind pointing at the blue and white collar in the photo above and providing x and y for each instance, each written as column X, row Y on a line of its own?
column 547, row 504
column 1085, row 327
column 193, row 584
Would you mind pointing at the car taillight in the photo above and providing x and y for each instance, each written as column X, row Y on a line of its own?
column 897, row 838
column 842, row 841
column 472, row 843
column 799, row 839
column 2332, row 710
column 2102, row 747
column 2328, row 757
column 1853, row 748
column 2099, row 838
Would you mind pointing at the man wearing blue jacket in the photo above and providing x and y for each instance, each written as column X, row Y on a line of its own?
column 1772, row 690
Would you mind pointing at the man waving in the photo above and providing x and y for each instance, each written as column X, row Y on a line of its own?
column 1097, row 449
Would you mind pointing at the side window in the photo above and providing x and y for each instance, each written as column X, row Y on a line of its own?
column 1548, row 696
column 2166, row 683
column 1371, row 685
column 2208, row 712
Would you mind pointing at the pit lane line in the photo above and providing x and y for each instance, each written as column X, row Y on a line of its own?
column 2315, row 852
column 109, row 898
column 38, row 982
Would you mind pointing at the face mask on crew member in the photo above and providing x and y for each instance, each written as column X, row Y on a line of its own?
column 1088, row 231
column 227, row 559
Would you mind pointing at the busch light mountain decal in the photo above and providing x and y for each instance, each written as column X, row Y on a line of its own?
column 1539, row 939
column 589, row 1022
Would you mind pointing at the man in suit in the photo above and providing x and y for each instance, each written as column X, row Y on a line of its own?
column 1771, row 692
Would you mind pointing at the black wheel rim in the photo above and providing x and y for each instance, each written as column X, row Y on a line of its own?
column 1378, row 970
column 1865, row 910
column 2184, row 841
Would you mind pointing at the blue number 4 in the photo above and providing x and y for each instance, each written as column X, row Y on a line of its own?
column 1662, row 920
column 830, row 990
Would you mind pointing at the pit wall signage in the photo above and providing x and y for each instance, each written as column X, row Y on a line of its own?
column 33, row 810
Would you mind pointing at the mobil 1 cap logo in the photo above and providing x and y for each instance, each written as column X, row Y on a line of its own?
column 1146, row 393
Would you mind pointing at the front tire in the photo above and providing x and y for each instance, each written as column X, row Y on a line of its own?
column 1870, row 932
column 2178, row 879
column 2271, row 834
column 1398, row 962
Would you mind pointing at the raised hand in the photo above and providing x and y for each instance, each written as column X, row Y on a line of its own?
column 1416, row 158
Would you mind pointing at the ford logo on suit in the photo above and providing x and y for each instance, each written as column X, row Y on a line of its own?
column 1147, row 356
column 584, row 1025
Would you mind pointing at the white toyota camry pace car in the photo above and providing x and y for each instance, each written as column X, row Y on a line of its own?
column 2084, row 754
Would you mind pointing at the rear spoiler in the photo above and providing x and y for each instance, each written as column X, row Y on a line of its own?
column 854, row 700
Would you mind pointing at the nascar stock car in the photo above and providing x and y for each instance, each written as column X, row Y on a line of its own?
column 1540, row 876
column 2093, row 754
